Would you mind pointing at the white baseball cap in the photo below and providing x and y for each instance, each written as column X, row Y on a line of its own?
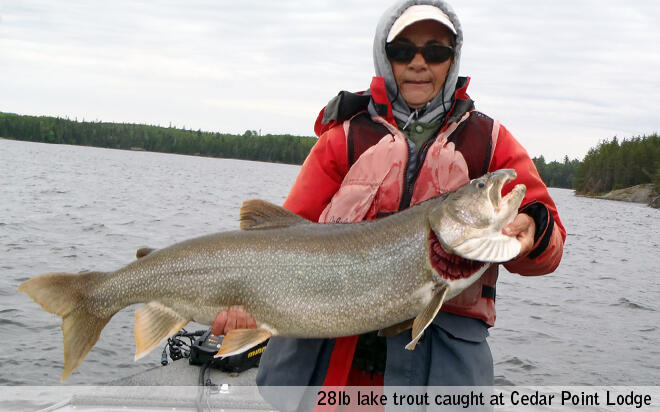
column 416, row 13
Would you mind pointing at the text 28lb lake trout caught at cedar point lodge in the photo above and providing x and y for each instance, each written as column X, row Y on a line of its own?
column 297, row 278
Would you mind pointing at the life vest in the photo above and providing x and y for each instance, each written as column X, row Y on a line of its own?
column 386, row 176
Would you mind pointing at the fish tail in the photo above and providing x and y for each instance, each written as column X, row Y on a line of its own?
column 66, row 295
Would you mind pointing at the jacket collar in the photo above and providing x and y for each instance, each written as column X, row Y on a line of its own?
column 346, row 105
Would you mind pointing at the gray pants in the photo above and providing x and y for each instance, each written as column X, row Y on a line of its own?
column 453, row 352
column 439, row 359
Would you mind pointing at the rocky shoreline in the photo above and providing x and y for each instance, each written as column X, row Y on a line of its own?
column 637, row 194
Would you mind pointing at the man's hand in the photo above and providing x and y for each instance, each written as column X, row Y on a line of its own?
column 523, row 229
column 234, row 318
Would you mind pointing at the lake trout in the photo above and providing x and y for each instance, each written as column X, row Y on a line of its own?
column 297, row 278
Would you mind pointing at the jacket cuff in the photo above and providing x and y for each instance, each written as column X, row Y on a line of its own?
column 544, row 225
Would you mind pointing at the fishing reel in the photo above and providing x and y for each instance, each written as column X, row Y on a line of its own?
column 178, row 347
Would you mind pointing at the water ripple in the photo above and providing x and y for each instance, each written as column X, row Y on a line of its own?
column 652, row 329
column 518, row 363
column 12, row 322
column 623, row 302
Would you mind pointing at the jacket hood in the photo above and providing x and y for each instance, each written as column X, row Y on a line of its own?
column 439, row 105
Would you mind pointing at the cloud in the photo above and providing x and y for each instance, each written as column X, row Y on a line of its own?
column 560, row 72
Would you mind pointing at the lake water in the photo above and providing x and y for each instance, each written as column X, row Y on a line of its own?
column 595, row 321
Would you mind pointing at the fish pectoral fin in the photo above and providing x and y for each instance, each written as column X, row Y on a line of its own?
column 424, row 319
column 240, row 340
column 143, row 251
column 259, row 214
column 496, row 248
column 396, row 329
column 155, row 322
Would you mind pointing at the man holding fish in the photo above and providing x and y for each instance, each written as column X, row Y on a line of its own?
column 413, row 135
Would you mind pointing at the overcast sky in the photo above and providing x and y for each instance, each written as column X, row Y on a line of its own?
column 561, row 75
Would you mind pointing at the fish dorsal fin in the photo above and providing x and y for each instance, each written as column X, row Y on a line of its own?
column 143, row 251
column 259, row 214
column 424, row 319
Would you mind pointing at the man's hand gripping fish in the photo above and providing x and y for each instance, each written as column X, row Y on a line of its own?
column 297, row 278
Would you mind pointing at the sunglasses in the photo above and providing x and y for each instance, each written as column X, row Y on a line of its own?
column 405, row 52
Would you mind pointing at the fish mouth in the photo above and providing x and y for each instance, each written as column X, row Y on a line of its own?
column 482, row 239
column 496, row 182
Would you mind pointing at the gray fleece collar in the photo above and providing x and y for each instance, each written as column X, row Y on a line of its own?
column 435, row 109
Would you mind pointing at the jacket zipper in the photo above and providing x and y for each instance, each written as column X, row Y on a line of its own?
column 412, row 170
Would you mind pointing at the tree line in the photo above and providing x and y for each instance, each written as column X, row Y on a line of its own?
column 557, row 174
column 609, row 166
column 613, row 165
column 249, row 146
